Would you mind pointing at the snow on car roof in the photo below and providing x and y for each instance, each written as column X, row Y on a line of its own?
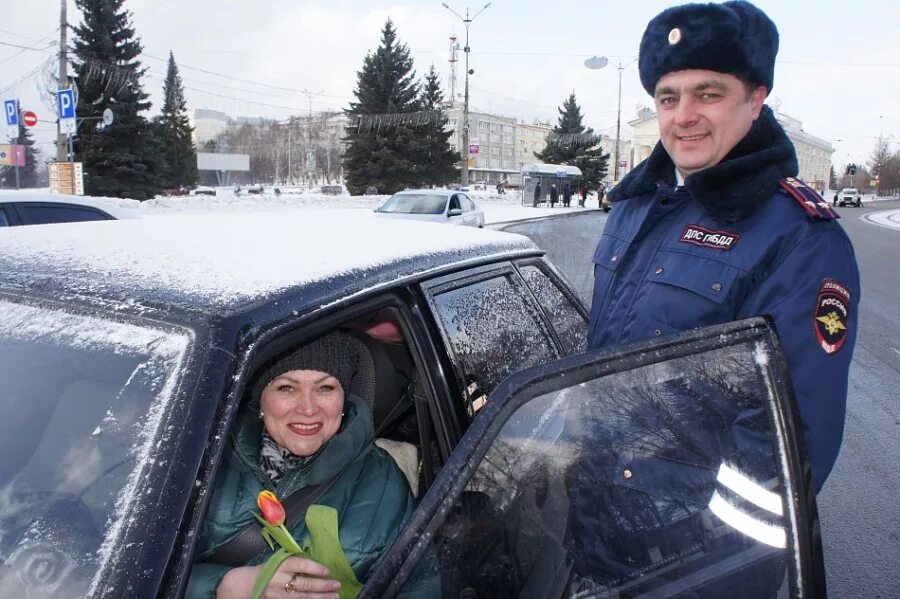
column 219, row 260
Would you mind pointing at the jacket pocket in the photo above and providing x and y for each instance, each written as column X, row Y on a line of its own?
column 710, row 279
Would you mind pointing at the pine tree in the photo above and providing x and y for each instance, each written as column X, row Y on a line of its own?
column 175, row 131
column 570, row 142
column 123, row 159
column 27, row 173
column 438, row 164
column 385, row 157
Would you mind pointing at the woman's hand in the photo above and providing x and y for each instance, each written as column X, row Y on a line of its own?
column 296, row 578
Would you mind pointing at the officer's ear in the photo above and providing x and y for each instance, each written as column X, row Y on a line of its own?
column 757, row 97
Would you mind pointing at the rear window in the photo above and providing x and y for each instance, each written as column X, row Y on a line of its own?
column 80, row 413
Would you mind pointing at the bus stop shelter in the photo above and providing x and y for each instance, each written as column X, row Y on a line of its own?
column 547, row 175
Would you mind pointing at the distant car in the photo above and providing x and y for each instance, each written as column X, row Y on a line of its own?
column 850, row 196
column 433, row 205
column 334, row 190
column 36, row 208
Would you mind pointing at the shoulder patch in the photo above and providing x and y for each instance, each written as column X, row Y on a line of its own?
column 808, row 198
column 831, row 315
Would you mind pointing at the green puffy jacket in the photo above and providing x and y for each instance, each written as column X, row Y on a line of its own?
column 372, row 497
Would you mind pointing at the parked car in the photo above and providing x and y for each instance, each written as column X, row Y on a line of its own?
column 657, row 469
column 433, row 205
column 41, row 208
column 850, row 196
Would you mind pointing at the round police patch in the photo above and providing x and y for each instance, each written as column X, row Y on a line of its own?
column 831, row 315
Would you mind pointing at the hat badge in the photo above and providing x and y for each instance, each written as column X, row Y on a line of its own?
column 674, row 36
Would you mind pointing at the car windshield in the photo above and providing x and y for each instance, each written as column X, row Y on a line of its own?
column 80, row 413
column 414, row 203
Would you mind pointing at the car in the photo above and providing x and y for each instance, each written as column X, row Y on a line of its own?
column 40, row 208
column 850, row 196
column 433, row 205
column 660, row 468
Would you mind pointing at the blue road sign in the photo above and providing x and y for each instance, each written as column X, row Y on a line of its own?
column 12, row 112
column 65, row 100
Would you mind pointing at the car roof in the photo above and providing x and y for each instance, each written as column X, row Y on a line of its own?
column 228, row 261
column 115, row 207
column 434, row 192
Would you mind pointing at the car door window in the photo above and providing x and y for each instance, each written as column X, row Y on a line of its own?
column 4, row 220
column 669, row 470
column 39, row 214
column 569, row 322
column 454, row 203
column 467, row 204
column 492, row 330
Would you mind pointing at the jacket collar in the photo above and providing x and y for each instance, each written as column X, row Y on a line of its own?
column 732, row 189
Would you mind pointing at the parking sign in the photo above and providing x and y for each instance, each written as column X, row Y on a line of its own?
column 65, row 100
column 12, row 112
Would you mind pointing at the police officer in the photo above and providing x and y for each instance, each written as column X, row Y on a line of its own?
column 714, row 226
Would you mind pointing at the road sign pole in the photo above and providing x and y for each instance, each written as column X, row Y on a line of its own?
column 16, row 159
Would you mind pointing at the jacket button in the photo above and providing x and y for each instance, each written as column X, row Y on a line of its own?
column 614, row 259
column 657, row 332
column 717, row 287
column 659, row 270
column 627, row 474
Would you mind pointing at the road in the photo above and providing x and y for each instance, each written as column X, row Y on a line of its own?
column 859, row 506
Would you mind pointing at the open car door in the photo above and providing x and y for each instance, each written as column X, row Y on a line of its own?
column 667, row 469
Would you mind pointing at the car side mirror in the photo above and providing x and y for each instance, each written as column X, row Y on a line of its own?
column 454, row 212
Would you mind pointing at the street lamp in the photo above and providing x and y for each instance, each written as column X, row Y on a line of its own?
column 598, row 62
column 464, row 171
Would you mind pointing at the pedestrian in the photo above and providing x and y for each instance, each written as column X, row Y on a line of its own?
column 554, row 195
column 835, row 199
column 601, row 191
column 583, row 193
column 714, row 227
column 567, row 194
column 537, row 194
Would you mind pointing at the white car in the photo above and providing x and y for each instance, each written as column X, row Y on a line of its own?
column 850, row 197
column 433, row 205
column 41, row 207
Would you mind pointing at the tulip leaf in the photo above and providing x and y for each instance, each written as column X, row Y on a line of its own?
column 325, row 548
column 268, row 571
column 267, row 537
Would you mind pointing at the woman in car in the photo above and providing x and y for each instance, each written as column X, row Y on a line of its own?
column 303, row 427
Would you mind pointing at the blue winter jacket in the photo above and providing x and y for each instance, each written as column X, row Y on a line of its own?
column 732, row 244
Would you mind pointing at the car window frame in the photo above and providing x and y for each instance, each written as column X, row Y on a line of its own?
column 22, row 209
column 396, row 566
column 472, row 276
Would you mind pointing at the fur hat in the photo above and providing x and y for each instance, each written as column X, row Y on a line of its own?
column 734, row 37
column 336, row 353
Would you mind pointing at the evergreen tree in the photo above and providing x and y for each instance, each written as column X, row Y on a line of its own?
column 385, row 157
column 570, row 142
column 27, row 173
column 438, row 164
column 175, row 131
column 123, row 159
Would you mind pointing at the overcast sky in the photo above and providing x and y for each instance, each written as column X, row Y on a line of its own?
column 838, row 69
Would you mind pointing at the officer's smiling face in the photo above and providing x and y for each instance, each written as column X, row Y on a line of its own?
column 703, row 115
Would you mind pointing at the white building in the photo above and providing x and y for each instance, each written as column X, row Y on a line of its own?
column 209, row 124
column 494, row 139
column 813, row 153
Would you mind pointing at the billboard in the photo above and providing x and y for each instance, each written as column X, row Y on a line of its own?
column 208, row 161
column 12, row 155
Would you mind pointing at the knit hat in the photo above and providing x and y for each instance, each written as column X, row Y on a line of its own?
column 336, row 353
column 734, row 37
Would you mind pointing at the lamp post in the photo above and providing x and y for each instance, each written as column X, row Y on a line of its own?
column 598, row 62
column 464, row 170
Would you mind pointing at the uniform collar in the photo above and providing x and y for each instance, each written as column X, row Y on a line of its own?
column 733, row 189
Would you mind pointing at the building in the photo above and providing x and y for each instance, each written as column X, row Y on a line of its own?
column 492, row 143
column 209, row 124
column 529, row 140
column 813, row 153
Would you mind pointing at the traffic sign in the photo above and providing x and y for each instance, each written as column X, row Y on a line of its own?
column 29, row 119
column 65, row 101
column 67, row 126
column 12, row 112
